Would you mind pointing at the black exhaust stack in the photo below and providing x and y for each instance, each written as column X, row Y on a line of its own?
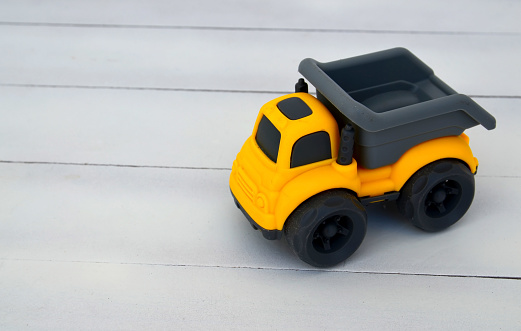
column 301, row 86
column 347, row 144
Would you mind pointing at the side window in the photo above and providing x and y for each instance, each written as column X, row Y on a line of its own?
column 311, row 148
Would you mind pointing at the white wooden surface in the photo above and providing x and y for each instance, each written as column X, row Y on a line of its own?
column 120, row 121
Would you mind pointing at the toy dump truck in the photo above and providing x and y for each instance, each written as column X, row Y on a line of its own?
column 382, row 127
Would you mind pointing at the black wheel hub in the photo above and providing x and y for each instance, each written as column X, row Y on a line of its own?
column 332, row 234
column 329, row 230
column 442, row 199
column 439, row 195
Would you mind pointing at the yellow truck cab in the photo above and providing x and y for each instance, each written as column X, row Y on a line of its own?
column 383, row 127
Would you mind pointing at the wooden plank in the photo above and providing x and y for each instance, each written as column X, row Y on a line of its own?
column 183, row 129
column 445, row 15
column 237, row 60
column 187, row 217
column 88, row 296
column 165, row 128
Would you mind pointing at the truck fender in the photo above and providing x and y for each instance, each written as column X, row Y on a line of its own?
column 451, row 147
column 311, row 183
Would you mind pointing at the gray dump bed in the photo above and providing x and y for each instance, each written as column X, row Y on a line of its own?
column 393, row 100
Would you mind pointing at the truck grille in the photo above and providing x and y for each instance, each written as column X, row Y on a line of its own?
column 245, row 183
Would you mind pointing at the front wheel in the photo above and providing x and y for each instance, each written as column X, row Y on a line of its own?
column 327, row 228
column 437, row 195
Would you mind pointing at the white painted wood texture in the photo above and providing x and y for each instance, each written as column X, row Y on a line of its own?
column 120, row 120
column 184, row 217
column 402, row 15
column 236, row 60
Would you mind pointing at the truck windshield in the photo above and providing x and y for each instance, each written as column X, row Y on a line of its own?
column 268, row 138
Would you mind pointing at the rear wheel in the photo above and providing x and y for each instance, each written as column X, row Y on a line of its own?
column 327, row 228
column 437, row 195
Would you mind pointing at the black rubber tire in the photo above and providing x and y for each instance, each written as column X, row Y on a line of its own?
column 437, row 195
column 327, row 228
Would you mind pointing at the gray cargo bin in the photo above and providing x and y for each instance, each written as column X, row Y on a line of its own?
column 393, row 100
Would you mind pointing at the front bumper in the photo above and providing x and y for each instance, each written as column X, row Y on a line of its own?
column 268, row 234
